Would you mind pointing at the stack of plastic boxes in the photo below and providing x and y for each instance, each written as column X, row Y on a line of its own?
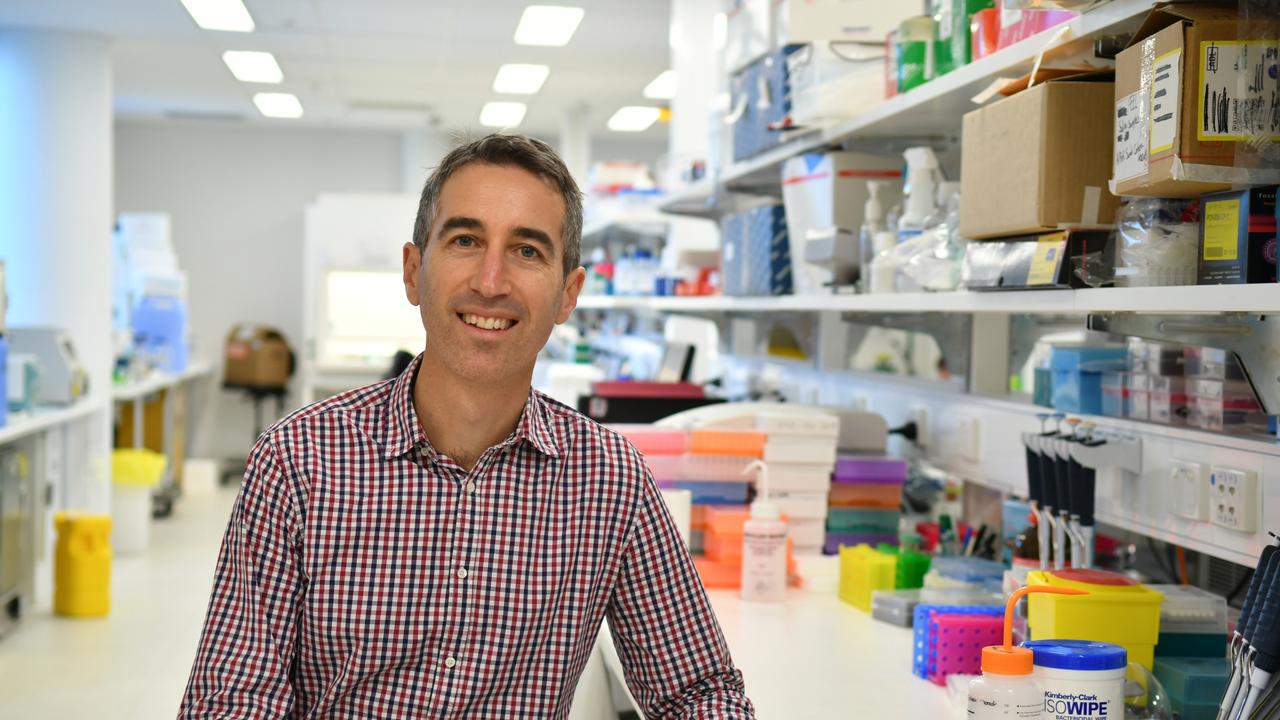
column 714, row 472
column 720, row 567
column 801, row 454
column 1220, row 396
column 865, row 501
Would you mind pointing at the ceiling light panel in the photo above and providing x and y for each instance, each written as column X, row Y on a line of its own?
column 634, row 118
column 502, row 114
column 229, row 15
column 278, row 105
column 663, row 87
column 515, row 79
column 253, row 67
column 548, row 25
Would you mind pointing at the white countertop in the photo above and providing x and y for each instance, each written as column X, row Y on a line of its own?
column 158, row 381
column 816, row 657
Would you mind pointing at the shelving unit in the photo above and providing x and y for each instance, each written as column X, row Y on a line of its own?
column 21, row 425
column 1196, row 299
column 934, row 109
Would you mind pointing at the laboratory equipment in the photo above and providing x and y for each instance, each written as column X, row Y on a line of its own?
column 832, row 258
column 925, row 629
column 23, row 382
column 1193, row 622
column 872, row 223
column 134, row 472
column 863, row 571
column 160, row 329
column 884, row 264
column 1081, row 680
column 896, row 607
column 1255, row 645
column 1158, row 240
column 915, row 50
column 1118, row 610
column 1077, row 374
column 62, row 378
column 1007, row 688
column 764, row 546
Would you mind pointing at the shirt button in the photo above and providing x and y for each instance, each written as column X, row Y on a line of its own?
column 449, row 662
column 462, row 573
column 469, row 488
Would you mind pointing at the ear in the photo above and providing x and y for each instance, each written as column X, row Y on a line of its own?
column 569, row 300
column 412, row 265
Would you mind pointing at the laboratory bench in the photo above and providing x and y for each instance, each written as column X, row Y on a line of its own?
column 814, row 656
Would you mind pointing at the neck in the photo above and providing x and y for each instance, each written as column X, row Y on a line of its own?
column 462, row 418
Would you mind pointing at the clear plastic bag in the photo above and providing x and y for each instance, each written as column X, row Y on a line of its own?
column 1158, row 242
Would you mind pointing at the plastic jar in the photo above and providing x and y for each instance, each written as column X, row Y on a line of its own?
column 1082, row 680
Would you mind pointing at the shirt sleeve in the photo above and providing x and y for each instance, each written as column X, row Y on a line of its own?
column 242, row 665
column 673, row 654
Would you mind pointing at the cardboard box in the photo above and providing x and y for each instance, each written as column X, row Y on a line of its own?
column 1238, row 237
column 827, row 191
column 1181, row 90
column 1038, row 161
column 257, row 357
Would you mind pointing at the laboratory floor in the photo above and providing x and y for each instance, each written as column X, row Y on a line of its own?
column 134, row 663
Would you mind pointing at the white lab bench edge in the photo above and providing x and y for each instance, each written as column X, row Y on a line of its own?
column 814, row 656
column 21, row 425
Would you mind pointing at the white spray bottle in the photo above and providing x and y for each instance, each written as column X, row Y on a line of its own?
column 923, row 176
column 764, row 545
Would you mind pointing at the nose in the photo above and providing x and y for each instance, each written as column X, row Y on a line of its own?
column 491, row 277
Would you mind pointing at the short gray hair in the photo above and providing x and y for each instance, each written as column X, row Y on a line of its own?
column 526, row 153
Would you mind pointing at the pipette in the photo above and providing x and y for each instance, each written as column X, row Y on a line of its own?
column 1255, row 646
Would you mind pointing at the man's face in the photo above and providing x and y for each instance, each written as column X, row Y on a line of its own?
column 491, row 285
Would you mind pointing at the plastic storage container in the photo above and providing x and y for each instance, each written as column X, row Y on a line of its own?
column 869, row 470
column 924, row 653
column 1115, row 394
column 745, row 443
column 1140, row 396
column 1228, row 406
column 1077, row 375
column 1169, row 400
column 896, row 607
column 134, row 473
column 711, row 493
column 650, row 440
column 863, row 520
column 911, row 568
column 875, row 495
column 835, row 542
column 1195, row 685
column 715, row 467
column 1193, row 622
column 1082, row 680
column 1117, row 610
column 82, row 565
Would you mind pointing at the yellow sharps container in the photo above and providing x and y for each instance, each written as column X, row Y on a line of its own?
column 82, row 565
column 1117, row 610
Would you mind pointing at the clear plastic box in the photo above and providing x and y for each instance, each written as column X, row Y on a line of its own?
column 1140, row 396
column 1170, row 403
column 1227, row 406
column 896, row 607
column 1115, row 394
column 1191, row 610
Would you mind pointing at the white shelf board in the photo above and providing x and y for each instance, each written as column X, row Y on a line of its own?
column 933, row 109
column 20, row 425
column 646, row 219
column 1196, row 299
column 158, row 381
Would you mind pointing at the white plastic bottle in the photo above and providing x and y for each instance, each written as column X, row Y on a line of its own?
column 764, row 546
column 872, row 223
column 1082, row 680
column 1007, row 688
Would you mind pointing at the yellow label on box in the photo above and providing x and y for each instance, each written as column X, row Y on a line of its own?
column 1044, row 267
column 1221, row 229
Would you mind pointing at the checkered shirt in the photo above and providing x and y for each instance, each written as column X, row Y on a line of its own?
column 365, row 575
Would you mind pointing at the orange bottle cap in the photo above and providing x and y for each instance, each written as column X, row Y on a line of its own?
column 1001, row 660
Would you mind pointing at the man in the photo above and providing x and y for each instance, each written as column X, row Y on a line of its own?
column 446, row 544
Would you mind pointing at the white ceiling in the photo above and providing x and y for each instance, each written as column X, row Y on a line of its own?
column 369, row 63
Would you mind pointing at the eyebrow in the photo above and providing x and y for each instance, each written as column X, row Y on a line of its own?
column 536, row 236
column 461, row 223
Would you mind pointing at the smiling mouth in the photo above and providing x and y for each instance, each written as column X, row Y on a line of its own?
column 491, row 324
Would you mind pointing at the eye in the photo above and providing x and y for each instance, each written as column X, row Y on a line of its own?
column 464, row 241
column 528, row 252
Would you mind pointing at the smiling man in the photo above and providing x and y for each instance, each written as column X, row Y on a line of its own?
column 446, row 544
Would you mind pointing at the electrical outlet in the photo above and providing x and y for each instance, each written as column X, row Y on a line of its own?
column 1190, row 489
column 1233, row 498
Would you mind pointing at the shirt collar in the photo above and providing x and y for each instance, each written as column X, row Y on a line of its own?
column 404, row 432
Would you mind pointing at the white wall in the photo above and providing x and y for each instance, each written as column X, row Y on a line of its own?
column 236, row 196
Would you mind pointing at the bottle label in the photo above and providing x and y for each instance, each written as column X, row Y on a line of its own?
column 991, row 708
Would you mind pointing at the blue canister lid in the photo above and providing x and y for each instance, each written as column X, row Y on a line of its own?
column 1077, row 654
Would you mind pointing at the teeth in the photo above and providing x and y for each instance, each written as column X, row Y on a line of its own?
column 486, row 323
